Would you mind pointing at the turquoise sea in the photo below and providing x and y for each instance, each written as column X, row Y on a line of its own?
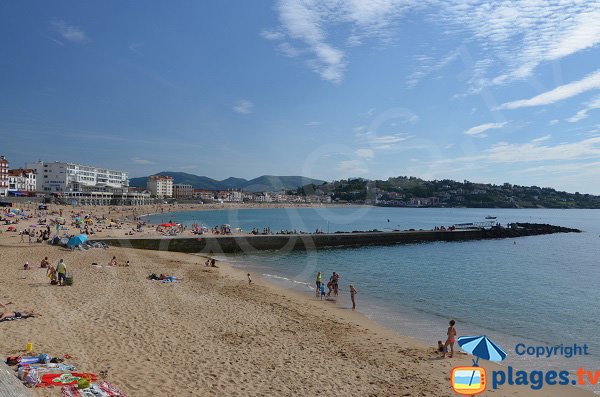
column 540, row 290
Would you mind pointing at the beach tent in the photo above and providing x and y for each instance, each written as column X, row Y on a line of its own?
column 77, row 240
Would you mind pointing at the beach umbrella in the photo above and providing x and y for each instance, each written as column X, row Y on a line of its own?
column 77, row 240
column 481, row 347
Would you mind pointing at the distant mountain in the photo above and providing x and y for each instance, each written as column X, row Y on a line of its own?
column 265, row 183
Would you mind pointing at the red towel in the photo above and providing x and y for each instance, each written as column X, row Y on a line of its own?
column 64, row 379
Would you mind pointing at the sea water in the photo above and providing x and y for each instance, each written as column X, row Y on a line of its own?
column 538, row 290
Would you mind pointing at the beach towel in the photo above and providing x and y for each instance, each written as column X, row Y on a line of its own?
column 29, row 360
column 100, row 389
column 64, row 379
column 43, row 368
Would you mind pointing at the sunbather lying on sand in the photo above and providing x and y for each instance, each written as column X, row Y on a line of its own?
column 18, row 314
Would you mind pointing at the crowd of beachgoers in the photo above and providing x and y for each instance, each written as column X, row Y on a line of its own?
column 149, row 321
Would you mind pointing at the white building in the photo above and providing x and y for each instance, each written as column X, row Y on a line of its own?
column 60, row 177
column 160, row 186
column 22, row 180
column 114, row 197
column 3, row 176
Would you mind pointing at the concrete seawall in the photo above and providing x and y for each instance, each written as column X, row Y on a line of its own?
column 250, row 244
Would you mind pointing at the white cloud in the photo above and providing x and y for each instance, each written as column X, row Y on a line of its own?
column 523, row 34
column 534, row 150
column 384, row 141
column 514, row 35
column 568, row 167
column 313, row 123
column 137, row 160
column 583, row 113
column 479, row 130
column 70, row 33
column 542, row 138
column 590, row 82
column 553, row 122
column 136, row 48
column 288, row 50
column 243, row 107
column 429, row 65
column 272, row 34
column 365, row 153
column 312, row 23
column 352, row 167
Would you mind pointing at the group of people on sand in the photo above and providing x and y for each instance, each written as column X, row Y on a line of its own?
column 57, row 274
column 114, row 262
column 210, row 262
column 333, row 287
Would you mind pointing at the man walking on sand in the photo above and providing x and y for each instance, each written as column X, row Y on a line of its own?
column 61, row 270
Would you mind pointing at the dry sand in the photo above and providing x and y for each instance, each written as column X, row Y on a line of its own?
column 211, row 333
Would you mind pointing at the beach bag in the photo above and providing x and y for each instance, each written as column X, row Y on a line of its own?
column 32, row 378
column 13, row 360
column 69, row 279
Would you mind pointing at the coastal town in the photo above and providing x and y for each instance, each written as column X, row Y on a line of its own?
column 78, row 184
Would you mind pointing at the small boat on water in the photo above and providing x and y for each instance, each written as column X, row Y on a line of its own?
column 490, row 217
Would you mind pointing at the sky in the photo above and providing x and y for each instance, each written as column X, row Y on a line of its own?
column 492, row 92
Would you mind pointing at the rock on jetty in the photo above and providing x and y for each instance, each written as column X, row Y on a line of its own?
column 525, row 229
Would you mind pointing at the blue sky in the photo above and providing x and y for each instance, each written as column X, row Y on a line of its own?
column 508, row 92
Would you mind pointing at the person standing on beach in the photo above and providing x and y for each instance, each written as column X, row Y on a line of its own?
column 336, row 285
column 249, row 279
column 319, row 282
column 51, row 273
column 353, row 292
column 451, row 339
column 61, row 270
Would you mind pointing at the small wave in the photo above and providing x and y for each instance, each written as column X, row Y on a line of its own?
column 289, row 280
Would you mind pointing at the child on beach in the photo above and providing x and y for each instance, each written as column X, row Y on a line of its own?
column 451, row 339
column 322, row 290
column 441, row 348
column 249, row 279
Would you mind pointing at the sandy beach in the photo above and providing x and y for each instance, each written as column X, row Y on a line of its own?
column 210, row 333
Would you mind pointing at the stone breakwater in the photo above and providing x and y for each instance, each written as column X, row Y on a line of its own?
column 251, row 244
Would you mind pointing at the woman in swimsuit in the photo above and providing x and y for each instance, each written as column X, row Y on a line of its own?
column 451, row 338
